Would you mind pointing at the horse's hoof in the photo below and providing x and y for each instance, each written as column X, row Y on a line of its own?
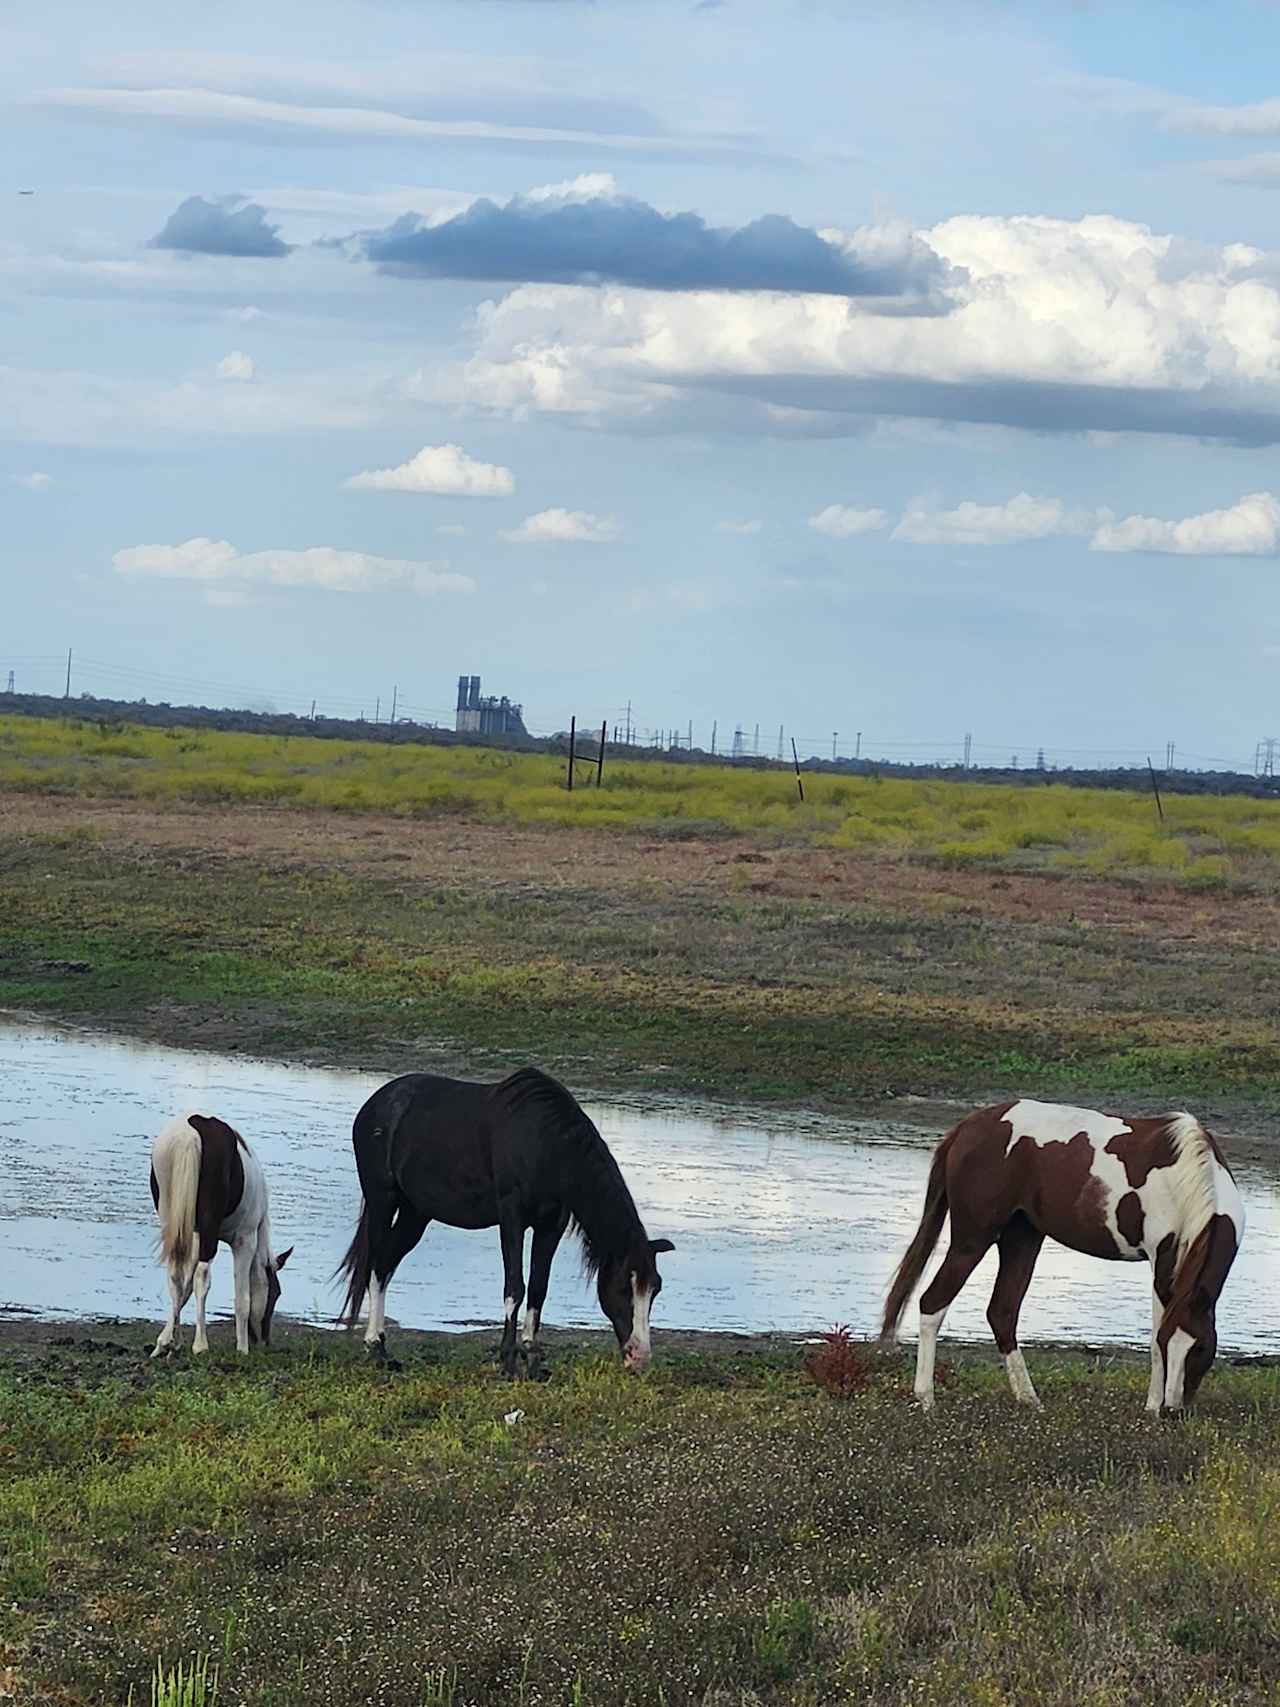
column 377, row 1349
column 535, row 1364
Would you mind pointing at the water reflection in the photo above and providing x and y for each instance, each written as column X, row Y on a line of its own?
column 775, row 1225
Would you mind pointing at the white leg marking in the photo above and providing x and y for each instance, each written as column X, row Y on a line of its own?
column 509, row 1308
column 201, row 1342
column 635, row 1354
column 1020, row 1380
column 925, row 1352
column 242, row 1255
column 529, row 1332
column 375, row 1327
column 1180, row 1343
column 169, row 1331
column 257, row 1292
column 1155, row 1388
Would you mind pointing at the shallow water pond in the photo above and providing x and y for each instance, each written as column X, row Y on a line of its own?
column 778, row 1224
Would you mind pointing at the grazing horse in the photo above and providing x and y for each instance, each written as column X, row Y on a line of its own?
column 1025, row 1171
column 208, row 1186
column 518, row 1154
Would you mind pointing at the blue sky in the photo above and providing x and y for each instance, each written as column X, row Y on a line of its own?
column 907, row 370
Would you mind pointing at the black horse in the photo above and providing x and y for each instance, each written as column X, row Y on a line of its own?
column 513, row 1155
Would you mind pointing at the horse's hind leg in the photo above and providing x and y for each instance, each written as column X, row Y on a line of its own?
column 958, row 1264
column 390, row 1241
column 179, row 1292
column 1019, row 1247
column 201, row 1283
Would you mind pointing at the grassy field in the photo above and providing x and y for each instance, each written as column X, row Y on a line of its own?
column 722, row 1532
column 722, row 968
column 1203, row 842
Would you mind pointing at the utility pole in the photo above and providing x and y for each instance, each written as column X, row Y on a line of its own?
column 857, row 751
column 755, row 745
column 313, row 711
column 713, row 738
column 394, row 692
column 835, row 736
column 9, row 689
column 67, row 692
column 1168, row 755
column 968, row 748
column 377, row 709
column 779, row 743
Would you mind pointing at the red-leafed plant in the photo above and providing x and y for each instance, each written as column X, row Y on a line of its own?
column 840, row 1365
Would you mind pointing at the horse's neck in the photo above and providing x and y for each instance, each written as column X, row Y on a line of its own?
column 601, row 1203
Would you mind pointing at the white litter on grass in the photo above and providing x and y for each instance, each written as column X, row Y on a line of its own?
column 512, row 1418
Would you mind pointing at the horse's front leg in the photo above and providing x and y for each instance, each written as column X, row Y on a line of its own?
column 547, row 1235
column 511, row 1232
column 242, row 1252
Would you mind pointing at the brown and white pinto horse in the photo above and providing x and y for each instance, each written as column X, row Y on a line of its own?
column 1025, row 1171
column 208, row 1187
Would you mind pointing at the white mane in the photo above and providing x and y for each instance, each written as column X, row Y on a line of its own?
column 1193, row 1181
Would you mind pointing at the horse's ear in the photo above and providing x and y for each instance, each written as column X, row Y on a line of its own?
column 283, row 1258
column 657, row 1246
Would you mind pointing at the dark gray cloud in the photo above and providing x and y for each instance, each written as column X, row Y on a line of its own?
column 1247, row 417
column 227, row 226
column 616, row 240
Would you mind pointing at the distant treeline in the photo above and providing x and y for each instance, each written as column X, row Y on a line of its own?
column 161, row 715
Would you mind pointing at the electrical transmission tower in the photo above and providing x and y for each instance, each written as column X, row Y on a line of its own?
column 1264, row 755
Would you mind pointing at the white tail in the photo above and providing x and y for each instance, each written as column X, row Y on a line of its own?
column 175, row 1158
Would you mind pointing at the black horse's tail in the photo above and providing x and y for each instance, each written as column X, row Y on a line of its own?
column 920, row 1249
column 357, row 1267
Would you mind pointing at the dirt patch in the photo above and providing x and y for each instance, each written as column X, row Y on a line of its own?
column 514, row 856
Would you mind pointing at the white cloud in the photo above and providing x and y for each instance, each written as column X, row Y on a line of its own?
column 218, row 561
column 739, row 527
column 214, row 107
column 441, row 470
column 559, row 527
column 584, row 188
column 236, row 365
column 1255, row 118
column 842, row 521
column 1249, row 528
column 63, row 407
column 35, row 482
column 1098, row 323
column 1021, row 518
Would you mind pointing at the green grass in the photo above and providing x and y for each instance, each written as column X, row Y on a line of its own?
column 1204, row 842
column 722, row 1532
column 723, row 993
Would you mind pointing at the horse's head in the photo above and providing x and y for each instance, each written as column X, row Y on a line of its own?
column 273, row 1292
column 627, row 1287
column 1188, row 1334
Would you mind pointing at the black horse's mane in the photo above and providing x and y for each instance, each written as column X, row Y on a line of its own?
column 601, row 1207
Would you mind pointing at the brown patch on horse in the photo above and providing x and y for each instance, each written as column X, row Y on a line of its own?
column 1144, row 1148
column 1163, row 1267
column 221, row 1179
column 1059, row 1189
column 1203, row 1272
column 1129, row 1217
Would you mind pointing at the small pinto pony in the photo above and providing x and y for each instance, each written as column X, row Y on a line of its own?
column 208, row 1186
column 1025, row 1171
column 518, row 1154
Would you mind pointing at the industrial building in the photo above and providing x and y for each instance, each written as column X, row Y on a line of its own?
column 487, row 716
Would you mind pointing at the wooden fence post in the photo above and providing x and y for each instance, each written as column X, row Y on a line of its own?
column 604, row 730
column 795, row 758
column 573, row 739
